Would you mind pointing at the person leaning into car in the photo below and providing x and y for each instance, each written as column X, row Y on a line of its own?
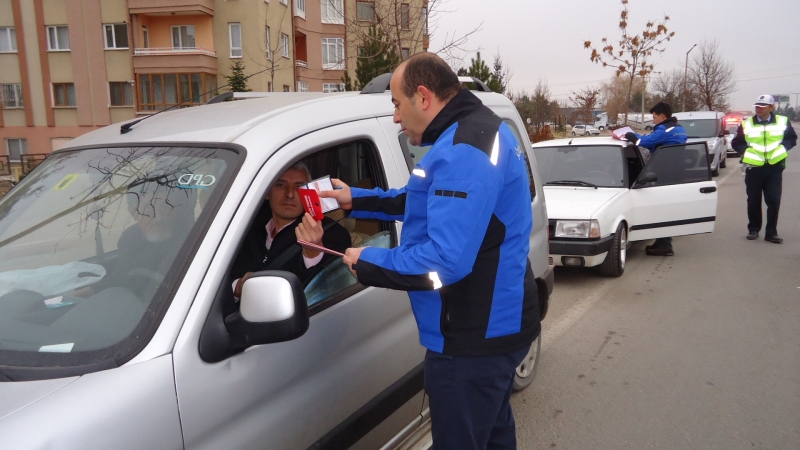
column 667, row 131
column 763, row 141
column 463, row 256
column 271, row 242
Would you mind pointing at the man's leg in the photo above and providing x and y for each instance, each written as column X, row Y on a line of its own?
column 754, row 181
column 469, row 400
column 773, row 186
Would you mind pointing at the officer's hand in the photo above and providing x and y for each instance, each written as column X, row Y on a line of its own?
column 631, row 137
column 351, row 256
column 309, row 230
column 341, row 193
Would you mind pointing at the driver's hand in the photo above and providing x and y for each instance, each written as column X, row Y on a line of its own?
column 309, row 230
column 341, row 193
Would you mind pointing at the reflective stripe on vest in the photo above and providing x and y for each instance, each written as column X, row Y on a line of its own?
column 764, row 142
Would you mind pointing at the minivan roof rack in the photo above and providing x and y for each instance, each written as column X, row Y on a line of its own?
column 238, row 95
column 380, row 84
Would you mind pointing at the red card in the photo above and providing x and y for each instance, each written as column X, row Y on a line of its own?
column 311, row 203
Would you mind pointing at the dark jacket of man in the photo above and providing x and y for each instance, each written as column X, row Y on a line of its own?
column 254, row 256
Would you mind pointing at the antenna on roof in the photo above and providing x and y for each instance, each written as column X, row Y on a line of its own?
column 126, row 127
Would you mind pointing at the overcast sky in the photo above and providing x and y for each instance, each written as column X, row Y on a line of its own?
column 544, row 39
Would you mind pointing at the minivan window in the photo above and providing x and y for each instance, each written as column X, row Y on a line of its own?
column 700, row 128
column 92, row 245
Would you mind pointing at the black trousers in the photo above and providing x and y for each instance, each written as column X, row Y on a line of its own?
column 769, row 180
column 470, row 400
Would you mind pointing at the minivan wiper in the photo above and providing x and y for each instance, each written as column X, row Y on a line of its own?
column 571, row 183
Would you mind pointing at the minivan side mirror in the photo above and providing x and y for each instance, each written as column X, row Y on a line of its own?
column 727, row 132
column 272, row 309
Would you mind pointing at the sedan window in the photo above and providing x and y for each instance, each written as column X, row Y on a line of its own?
column 599, row 165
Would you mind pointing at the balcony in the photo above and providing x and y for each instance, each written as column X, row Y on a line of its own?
column 174, row 60
column 301, row 63
column 164, row 7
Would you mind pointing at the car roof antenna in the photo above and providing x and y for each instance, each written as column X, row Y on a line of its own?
column 126, row 127
column 570, row 142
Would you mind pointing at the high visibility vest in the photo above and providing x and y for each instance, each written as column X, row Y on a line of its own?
column 764, row 142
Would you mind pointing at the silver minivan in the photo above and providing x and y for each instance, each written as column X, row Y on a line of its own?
column 118, row 327
column 708, row 127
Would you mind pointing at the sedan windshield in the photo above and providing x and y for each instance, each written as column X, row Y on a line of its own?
column 576, row 165
column 700, row 128
column 92, row 243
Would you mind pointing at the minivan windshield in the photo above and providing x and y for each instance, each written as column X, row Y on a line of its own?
column 92, row 244
column 700, row 128
column 577, row 165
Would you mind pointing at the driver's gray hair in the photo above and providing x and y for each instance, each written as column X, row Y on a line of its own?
column 302, row 167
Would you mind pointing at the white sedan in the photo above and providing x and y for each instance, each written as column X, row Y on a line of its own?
column 601, row 195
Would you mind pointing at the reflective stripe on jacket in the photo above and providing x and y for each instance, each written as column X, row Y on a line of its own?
column 764, row 142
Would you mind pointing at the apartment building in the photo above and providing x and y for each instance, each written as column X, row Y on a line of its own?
column 68, row 67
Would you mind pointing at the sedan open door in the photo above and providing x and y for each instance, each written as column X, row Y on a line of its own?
column 674, row 194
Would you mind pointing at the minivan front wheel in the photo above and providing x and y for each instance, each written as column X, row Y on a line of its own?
column 525, row 372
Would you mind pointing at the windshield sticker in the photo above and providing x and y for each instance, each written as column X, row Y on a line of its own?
column 65, row 182
column 196, row 181
column 57, row 348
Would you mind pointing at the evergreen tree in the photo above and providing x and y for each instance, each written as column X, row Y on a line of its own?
column 377, row 56
column 237, row 80
column 497, row 80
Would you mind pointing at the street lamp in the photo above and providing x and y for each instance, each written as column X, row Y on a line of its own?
column 685, row 73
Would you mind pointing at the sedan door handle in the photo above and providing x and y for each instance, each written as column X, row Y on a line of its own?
column 708, row 190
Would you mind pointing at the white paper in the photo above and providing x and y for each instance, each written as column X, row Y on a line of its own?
column 57, row 348
column 620, row 133
column 324, row 184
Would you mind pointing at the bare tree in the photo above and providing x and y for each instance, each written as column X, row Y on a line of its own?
column 632, row 58
column 712, row 78
column 668, row 87
column 270, row 53
column 614, row 95
column 585, row 101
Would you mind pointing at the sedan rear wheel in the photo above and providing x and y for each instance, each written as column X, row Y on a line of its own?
column 525, row 372
column 614, row 264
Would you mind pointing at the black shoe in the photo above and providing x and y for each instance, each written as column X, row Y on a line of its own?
column 752, row 236
column 774, row 239
column 659, row 251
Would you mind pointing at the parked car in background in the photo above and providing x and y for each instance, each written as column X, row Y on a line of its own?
column 601, row 195
column 708, row 127
column 584, row 130
column 732, row 123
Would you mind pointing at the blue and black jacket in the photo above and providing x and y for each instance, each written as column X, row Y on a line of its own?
column 467, row 218
column 668, row 132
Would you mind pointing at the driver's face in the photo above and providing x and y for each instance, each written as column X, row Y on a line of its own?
column 283, row 198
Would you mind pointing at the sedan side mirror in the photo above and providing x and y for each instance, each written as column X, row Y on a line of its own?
column 649, row 177
column 272, row 309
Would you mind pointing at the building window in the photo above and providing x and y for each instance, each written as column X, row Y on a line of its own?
column 333, row 53
column 300, row 8
column 424, row 20
column 285, row 45
column 405, row 16
column 159, row 91
column 332, row 11
column 302, row 86
column 365, row 12
column 283, row 2
column 267, row 42
column 16, row 148
column 63, row 94
column 11, row 95
column 235, row 32
column 332, row 87
column 116, row 35
column 145, row 36
column 404, row 52
column 121, row 93
column 8, row 39
column 57, row 38
column 287, row 88
column 183, row 36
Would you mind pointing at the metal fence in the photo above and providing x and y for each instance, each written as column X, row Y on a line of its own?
column 5, row 165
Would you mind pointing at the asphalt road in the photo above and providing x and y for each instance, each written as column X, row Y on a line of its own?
column 700, row 350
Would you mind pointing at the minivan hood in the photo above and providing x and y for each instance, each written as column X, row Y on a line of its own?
column 566, row 202
column 15, row 395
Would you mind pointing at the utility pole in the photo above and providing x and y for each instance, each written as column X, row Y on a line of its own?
column 685, row 73
column 796, row 96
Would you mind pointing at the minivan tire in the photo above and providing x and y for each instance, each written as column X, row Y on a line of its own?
column 526, row 371
column 614, row 264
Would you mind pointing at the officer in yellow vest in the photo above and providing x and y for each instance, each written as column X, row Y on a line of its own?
column 763, row 141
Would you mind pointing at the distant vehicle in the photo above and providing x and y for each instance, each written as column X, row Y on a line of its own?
column 708, row 127
column 584, row 130
column 601, row 121
column 732, row 122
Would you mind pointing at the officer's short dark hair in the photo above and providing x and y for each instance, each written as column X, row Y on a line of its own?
column 429, row 70
column 662, row 108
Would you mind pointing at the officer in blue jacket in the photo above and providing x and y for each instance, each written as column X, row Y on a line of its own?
column 666, row 132
column 463, row 256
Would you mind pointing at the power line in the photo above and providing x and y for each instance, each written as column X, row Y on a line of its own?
column 770, row 78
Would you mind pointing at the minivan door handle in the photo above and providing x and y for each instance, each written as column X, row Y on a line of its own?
column 708, row 190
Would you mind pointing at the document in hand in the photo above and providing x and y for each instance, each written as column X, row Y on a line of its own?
column 619, row 134
column 324, row 184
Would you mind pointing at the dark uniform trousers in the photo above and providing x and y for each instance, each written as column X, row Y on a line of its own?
column 470, row 400
column 767, row 179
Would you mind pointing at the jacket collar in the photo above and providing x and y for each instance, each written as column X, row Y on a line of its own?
column 461, row 105
column 772, row 119
column 669, row 123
